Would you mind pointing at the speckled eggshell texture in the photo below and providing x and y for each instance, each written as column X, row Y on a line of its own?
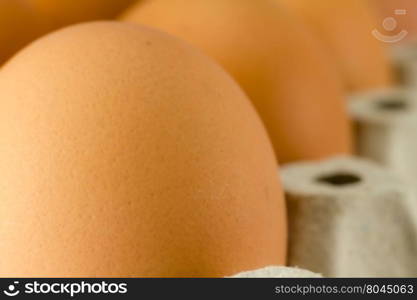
column 277, row 62
column 126, row 152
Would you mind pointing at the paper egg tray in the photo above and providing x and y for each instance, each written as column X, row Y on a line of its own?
column 357, row 216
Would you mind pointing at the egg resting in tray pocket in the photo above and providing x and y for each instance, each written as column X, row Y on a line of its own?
column 126, row 152
column 399, row 17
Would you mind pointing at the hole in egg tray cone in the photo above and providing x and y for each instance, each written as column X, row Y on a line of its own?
column 386, row 129
column 349, row 217
column 277, row 272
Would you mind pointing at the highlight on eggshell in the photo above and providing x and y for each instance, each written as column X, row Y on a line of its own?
column 128, row 153
column 279, row 64
column 345, row 27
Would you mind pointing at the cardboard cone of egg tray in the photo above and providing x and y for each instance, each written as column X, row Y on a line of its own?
column 404, row 57
column 277, row 272
column 350, row 218
column 386, row 129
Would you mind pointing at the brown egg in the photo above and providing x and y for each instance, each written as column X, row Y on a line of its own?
column 397, row 19
column 18, row 26
column 59, row 13
column 126, row 152
column 345, row 27
column 280, row 66
column 22, row 21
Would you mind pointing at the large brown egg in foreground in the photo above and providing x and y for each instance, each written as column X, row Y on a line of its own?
column 276, row 61
column 126, row 152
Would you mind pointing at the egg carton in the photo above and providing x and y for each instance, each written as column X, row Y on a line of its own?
column 385, row 129
column 349, row 217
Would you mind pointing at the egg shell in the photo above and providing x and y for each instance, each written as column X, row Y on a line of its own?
column 59, row 13
column 22, row 21
column 277, row 62
column 345, row 28
column 126, row 152
column 19, row 25
column 405, row 19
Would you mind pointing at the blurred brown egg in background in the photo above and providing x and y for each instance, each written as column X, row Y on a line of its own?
column 345, row 28
column 22, row 21
column 19, row 24
column 397, row 19
column 279, row 64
